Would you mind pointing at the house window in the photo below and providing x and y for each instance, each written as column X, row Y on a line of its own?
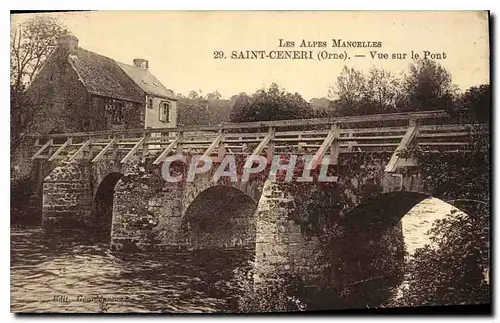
column 164, row 114
column 150, row 102
column 117, row 113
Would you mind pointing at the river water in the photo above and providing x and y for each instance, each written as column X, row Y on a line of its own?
column 67, row 273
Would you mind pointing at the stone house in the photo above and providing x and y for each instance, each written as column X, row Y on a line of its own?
column 78, row 90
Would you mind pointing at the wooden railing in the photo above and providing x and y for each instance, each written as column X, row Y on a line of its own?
column 318, row 137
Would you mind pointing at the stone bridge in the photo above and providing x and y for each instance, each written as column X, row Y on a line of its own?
column 304, row 230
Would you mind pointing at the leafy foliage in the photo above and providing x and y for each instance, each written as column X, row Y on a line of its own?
column 193, row 112
column 22, row 116
column 21, row 191
column 453, row 272
column 426, row 86
column 270, row 104
column 30, row 45
column 475, row 104
column 273, row 297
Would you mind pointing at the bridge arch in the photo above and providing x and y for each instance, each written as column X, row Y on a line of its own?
column 382, row 233
column 103, row 202
column 220, row 217
column 382, row 211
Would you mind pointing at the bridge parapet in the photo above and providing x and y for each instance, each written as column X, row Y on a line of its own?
column 317, row 137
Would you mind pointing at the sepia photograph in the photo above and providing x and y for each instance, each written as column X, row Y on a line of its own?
column 250, row 162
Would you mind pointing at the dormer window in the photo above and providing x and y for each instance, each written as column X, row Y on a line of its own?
column 164, row 113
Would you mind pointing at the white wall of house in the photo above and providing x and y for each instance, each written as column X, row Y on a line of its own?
column 152, row 119
column 153, row 113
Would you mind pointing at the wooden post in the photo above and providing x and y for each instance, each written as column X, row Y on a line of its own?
column 145, row 146
column 270, row 148
column 300, row 148
column 335, row 146
column 180, row 136
column 265, row 141
column 215, row 144
column 105, row 150
column 114, row 152
column 167, row 150
column 80, row 150
column 46, row 145
column 90, row 153
column 320, row 153
column 131, row 153
column 222, row 147
column 405, row 142
column 60, row 149
column 414, row 123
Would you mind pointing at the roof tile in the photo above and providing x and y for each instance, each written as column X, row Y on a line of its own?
column 102, row 76
column 144, row 79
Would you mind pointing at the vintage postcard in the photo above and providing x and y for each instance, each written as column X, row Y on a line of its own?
column 249, row 161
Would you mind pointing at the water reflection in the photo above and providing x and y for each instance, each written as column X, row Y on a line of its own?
column 54, row 273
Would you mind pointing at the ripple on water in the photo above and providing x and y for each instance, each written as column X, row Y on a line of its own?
column 46, row 266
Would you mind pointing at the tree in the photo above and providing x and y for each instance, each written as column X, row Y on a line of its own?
column 350, row 91
column 321, row 103
column 30, row 45
column 241, row 107
column 477, row 102
column 383, row 90
column 215, row 95
column 194, row 112
column 270, row 104
column 427, row 86
column 455, row 272
column 195, row 95
column 22, row 115
column 235, row 96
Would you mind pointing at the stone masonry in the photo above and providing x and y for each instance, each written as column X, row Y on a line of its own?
column 296, row 227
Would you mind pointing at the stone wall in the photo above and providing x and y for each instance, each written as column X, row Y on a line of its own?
column 149, row 213
column 147, row 210
column 67, row 197
column 61, row 99
column 101, row 110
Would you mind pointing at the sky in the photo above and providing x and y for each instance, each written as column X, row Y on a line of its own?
column 180, row 45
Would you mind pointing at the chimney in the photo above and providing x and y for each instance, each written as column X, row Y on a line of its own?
column 68, row 42
column 141, row 63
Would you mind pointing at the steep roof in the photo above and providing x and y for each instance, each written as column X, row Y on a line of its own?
column 101, row 75
column 146, row 81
